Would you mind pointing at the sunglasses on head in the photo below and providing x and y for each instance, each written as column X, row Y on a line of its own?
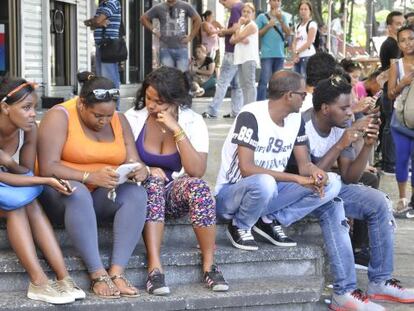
column 102, row 94
column 337, row 80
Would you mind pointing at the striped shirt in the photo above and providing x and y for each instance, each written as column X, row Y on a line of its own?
column 112, row 10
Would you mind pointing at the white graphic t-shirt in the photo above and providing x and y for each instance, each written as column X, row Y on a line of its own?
column 272, row 144
column 320, row 144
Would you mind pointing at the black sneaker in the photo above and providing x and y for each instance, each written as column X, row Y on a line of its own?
column 362, row 259
column 215, row 281
column 229, row 116
column 206, row 115
column 156, row 283
column 241, row 238
column 273, row 233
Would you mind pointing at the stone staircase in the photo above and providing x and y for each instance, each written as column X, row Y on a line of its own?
column 272, row 278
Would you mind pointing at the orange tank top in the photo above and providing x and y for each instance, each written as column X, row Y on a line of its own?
column 85, row 154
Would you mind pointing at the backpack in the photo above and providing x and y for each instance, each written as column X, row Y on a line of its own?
column 404, row 105
column 317, row 41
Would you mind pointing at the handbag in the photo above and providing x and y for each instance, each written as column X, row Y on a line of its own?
column 113, row 50
column 14, row 197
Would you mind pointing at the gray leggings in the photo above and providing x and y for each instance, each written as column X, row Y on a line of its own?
column 81, row 211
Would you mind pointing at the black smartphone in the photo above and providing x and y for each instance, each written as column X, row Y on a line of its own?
column 64, row 184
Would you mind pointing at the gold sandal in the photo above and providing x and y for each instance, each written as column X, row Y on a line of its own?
column 108, row 281
column 128, row 285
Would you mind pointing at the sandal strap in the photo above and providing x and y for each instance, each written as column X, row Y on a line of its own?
column 121, row 277
column 105, row 279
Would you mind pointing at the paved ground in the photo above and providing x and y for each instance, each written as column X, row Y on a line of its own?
column 404, row 246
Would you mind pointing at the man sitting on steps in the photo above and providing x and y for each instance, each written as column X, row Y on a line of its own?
column 330, row 141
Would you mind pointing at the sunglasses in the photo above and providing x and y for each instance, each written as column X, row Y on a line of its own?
column 18, row 89
column 337, row 80
column 302, row 94
column 102, row 94
column 171, row 11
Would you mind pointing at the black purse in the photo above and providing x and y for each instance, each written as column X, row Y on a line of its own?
column 113, row 50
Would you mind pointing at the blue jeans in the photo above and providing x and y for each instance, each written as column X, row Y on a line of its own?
column 247, row 77
column 228, row 76
column 268, row 67
column 374, row 207
column 300, row 67
column 176, row 58
column 107, row 70
column 260, row 195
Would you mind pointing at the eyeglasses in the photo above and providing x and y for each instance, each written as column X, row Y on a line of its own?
column 302, row 94
column 102, row 94
column 18, row 89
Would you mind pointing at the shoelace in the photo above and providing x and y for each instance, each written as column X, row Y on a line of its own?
column 72, row 283
column 359, row 294
column 246, row 235
column 393, row 282
column 280, row 231
column 57, row 288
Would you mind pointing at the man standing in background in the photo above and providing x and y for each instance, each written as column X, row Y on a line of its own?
column 229, row 71
column 107, row 18
column 389, row 52
column 173, row 16
column 273, row 30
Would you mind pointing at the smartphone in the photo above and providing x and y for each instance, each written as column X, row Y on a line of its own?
column 64, row 184
column 377, row 97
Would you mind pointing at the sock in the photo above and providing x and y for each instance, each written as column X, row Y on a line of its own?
column 266, row 220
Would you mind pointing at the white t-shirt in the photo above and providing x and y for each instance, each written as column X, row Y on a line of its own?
column 244, row 52
column 272, row 144
column 336, row 26
column 320, row 143
column 302, row 38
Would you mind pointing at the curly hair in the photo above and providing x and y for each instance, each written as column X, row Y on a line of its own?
column 172, row 85
column 328, row 90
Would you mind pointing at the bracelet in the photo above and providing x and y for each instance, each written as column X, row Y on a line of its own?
column 180, row 138
column 85, row 177
column 179, row 133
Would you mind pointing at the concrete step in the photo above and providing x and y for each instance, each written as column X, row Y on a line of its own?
column 287, row 294
column 179, row 230
column 182, row 264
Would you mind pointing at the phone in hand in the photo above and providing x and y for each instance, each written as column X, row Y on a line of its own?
column 125, row 169
column 64, row 184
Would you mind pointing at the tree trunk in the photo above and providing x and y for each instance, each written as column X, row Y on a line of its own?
column 351, row 19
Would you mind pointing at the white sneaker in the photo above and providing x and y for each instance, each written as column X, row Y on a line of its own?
column 50, row 292
column 353, row 301
column 390, row 290
column 69, row 286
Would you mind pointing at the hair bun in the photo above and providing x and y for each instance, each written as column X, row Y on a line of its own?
column 85, row 76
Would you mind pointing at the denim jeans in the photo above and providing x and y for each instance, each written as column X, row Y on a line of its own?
column 373, row 206
column 228, row 76
column 260, row 195
column 107, row 70
column 268, row 67
column 177, row 58
column 300, row 67
column 247, row 77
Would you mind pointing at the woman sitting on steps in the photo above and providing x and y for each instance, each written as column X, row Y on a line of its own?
column 26, row 221
column 83, row 140
column 173, row 141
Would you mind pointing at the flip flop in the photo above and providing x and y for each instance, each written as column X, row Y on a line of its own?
column 129, row 285
column 107, row 280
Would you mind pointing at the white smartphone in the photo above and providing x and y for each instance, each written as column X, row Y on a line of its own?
column 124, row 170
